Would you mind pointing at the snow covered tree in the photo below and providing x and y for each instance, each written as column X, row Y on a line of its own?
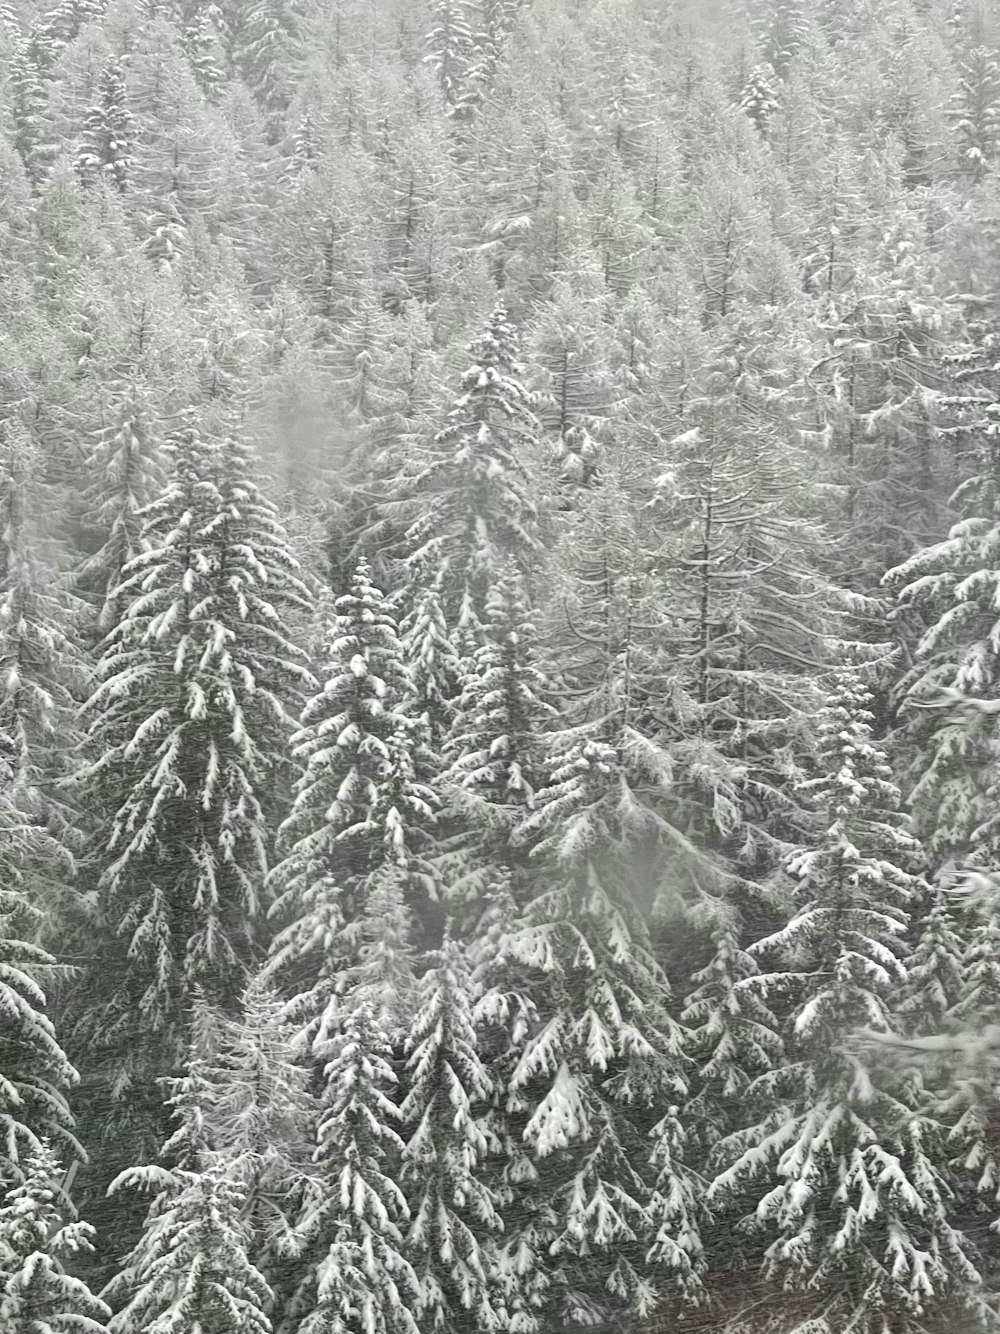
column 450, row 48
column 758, row 100
column 352, row 1228
column 40, row 672
column 610, row 1215
column 37, row 1294
column 35, row 1073
column 105, row 148
column 479, row 506
column 950, row 587
column 126, row 476
column 268, row 51
column 188, row 732
column 29, row 104
column 735, row 1035
column 494, row 747
column 260, row 1116
column 190, row 1271
column 358, row 814
column 842, row 1169
column 974, row 111
column 454, row 1220
column 434, row 671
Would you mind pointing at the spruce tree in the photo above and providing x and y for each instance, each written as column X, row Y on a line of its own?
column 187, row 740
column 494, row 748
column 38, row 1292
column 454, row 1220
column 610, row 1219
column 359, row 814
column 353, row 1224
column 479, row 504
column 190, row 1271
column 842, row 1170
column 105, row 148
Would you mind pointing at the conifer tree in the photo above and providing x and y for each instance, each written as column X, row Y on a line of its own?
column 35, row 1073
column 352, row 1227
column 105, row 149
column 759, row 101
column 260, row 1115
column 454, row 1219
column 494, row 747
column 974, row 111
column 37, row 1293
column 188, row 729
column 40, row 672
column 126, row 475
column 358, row 814
column 845, row 1180
column 190, row 1270
column 611, row 1201
column 29, row 103
column 479, row 507
column 450, row 48
column 950, row 588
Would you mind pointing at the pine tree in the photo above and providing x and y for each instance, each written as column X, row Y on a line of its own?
column 188, row 729
column 352, row 1228
column 844, row 1174
column 126, row 475
column 493, row 749
column 611, row 1203
column 950, row 587
column 454, row 1220
column 450, row 49
column 37, row 1294
column 479, row 507
column 190, row 1271
column 40, row 673
column 269, row 52
column 260, row 1115
column 29, row 105
column 359, row 814
column 105, row 149
column 974, row 111
column 759, row 101
column 35, row 1073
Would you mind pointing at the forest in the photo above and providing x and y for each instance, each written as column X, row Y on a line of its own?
column 499, row 666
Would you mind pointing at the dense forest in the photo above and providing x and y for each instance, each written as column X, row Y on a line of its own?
column 499, row 666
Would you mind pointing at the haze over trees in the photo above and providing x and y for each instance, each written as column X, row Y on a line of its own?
column 499, row 666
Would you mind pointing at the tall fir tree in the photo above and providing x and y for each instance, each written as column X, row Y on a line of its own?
column 187, row 758
column 39, row 1293
column 845, row 1178
column 359, row 815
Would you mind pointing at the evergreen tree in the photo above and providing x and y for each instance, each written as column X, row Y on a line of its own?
column 40, row 668
column 479, row 507
column 352, row 1227
column 260, row 1116
column 35, row 1073
column 454, row 1220
column 610, row 1221
column 188, row 728
column 974, row 111
column 105, row 149
column 848, row 1186
column 450, row 48
column 493, row 749
column 759, row 101
column 190, row 1271
column 358, row 814
column 126, row 475
column 37, row 1294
